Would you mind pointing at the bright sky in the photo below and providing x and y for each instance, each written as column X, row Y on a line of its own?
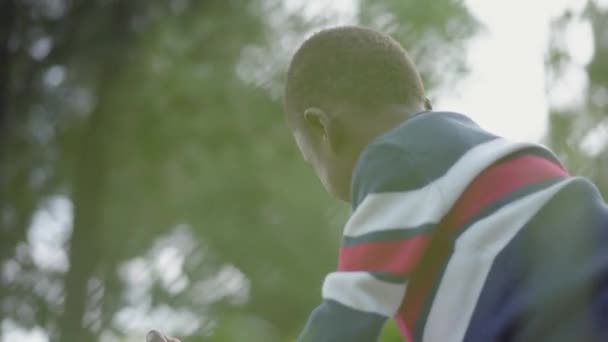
column 505, row 91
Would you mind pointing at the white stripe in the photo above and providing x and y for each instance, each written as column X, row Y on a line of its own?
column 470, row 264
column 362, row 291
column 430, row 203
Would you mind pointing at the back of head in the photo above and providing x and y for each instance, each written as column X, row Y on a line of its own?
column 353, row 68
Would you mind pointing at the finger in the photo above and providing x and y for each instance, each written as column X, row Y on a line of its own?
column 155, row 336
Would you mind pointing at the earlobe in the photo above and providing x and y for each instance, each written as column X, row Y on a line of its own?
column 322, row 123
column 315, row 117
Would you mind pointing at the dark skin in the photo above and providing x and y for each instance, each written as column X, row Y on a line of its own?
column 331, row 141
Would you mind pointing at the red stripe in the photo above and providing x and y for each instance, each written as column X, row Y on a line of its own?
column 491, row 185
column 498, row 181
column 395, row 256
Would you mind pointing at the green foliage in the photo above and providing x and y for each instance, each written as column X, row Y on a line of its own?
column 432, row 31
column 578, row 130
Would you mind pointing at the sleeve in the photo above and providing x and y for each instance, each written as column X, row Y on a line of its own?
column 382, row 243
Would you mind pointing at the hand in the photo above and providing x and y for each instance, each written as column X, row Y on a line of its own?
column 155, row 336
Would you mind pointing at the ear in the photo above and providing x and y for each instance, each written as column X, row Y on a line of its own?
column 427, row 104
column 323, row 124
column 317, row 120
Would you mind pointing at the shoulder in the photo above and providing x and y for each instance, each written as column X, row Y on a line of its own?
column 415, row 153
column 383, row 166
column 436, row 140
column 426, row 127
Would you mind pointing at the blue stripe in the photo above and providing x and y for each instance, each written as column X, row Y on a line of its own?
column 332, row 321
column 388, row 235
column 551, row 282
column 390, row 277
column 439, row 138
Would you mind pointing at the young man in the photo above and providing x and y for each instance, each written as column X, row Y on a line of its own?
column 457, row 234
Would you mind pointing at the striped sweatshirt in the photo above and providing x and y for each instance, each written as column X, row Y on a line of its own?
column 461, row 235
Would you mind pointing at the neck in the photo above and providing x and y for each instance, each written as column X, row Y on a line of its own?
column 390, row 118
column 372, row 126
column 402, row 112
column 368, row 127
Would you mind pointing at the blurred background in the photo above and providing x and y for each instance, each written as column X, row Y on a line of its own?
column 147, row 179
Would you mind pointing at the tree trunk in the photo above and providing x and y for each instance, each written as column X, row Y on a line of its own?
column 7, row 17
column 89, row 197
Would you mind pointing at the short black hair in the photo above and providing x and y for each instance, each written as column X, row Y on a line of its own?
column 351, row 66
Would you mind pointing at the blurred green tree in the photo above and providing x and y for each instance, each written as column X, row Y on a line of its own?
column 578, row 122
column 160, row 123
